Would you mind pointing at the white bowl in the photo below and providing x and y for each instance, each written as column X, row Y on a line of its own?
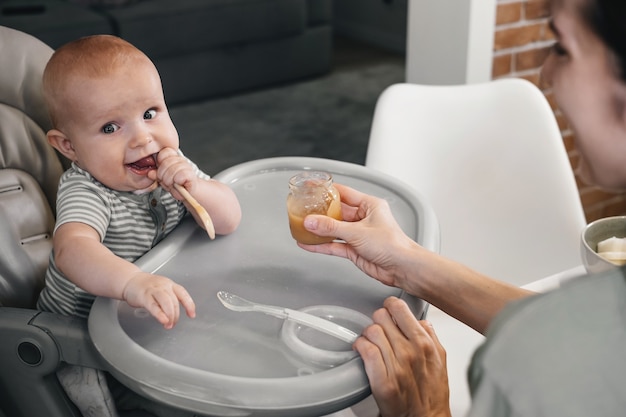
column 595, row 232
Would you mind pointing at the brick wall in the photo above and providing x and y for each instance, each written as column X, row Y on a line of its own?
column 522, row 41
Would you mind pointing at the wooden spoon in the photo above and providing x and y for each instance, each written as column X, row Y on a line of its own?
column 200, row 211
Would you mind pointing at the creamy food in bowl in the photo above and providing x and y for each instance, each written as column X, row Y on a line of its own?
column 603, row 244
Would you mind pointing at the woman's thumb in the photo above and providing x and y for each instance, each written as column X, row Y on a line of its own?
column 321, row 225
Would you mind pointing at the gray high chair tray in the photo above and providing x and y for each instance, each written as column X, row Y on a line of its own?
column 230, row 363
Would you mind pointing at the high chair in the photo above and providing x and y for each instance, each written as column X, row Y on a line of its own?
column 33, row 344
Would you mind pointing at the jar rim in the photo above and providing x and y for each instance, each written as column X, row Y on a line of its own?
column 311, row 178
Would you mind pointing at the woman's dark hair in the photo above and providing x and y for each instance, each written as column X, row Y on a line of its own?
column 607, row 18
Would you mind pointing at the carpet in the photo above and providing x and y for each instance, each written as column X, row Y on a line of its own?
column 327, row 117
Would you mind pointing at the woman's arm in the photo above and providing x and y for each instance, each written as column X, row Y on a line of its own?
column 374, row 242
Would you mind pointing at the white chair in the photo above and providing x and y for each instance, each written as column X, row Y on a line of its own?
column 491, row 161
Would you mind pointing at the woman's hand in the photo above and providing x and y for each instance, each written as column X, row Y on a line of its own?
column 375, row 243
column 405, row 363
column 372, row 239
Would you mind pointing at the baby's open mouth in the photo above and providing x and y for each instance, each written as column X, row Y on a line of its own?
column 143, row 165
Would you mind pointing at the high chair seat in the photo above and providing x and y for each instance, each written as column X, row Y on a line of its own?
column 34, row 343
column 29, row 170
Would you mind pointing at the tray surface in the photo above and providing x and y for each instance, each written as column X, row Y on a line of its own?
column 232, row 363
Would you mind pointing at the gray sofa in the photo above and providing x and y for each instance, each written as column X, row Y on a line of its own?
column 202, row 48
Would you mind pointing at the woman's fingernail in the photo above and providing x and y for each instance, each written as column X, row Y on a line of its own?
column 310, row 223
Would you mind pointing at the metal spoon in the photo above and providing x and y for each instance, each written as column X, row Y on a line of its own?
column 236, row 303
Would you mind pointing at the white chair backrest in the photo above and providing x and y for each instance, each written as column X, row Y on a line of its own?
column 491, row 161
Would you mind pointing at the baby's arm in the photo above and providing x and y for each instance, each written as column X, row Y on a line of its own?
column 85, row 261
column 217, row 198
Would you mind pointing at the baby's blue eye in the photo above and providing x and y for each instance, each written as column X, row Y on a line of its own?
column 109, row 128
column 149, row 114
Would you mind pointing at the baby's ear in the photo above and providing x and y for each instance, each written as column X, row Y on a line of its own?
column 61, row 143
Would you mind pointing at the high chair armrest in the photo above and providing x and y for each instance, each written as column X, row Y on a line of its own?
column 34, row 344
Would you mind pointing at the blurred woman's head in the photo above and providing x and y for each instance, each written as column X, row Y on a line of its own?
column 587, row 71
column 607, row 19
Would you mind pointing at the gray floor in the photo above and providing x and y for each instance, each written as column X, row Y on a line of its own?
column 328, row 116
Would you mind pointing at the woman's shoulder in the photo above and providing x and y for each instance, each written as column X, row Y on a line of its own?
column 590, row 302
column 577, row 299
column 571, row 338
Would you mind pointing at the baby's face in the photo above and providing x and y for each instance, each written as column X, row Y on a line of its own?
column 116, row 122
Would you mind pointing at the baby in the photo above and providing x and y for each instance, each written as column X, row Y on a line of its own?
column 118, row 199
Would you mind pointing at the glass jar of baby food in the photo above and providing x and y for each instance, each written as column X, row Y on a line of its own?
column 311, row 192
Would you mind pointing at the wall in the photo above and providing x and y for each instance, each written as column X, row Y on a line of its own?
column 521, row 42
column 467, row 49
column 450, row 41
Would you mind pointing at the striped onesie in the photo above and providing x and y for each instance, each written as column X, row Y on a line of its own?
column 129, row 224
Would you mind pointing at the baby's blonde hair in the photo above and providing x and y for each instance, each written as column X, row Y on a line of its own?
column 94, row 56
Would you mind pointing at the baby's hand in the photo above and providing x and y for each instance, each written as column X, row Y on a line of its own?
column 173, row 168
column 160, row 296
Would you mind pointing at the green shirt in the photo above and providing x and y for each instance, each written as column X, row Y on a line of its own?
column 562, row 353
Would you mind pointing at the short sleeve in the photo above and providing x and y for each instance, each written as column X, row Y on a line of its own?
column 81, row 201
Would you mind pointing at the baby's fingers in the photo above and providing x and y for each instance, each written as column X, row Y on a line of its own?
column 185, row 299
column 163, row 304
column 154, row 308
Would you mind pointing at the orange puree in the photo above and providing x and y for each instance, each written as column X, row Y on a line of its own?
column 296, row 223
